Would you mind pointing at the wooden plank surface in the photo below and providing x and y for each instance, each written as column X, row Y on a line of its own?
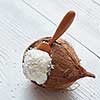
column 20, row 25
column 86, row 27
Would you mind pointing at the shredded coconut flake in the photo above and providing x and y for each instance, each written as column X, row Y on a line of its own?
column 37, row 64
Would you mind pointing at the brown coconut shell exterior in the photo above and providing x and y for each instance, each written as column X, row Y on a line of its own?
column 67, row 68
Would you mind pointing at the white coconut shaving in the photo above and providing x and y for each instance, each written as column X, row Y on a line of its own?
column 37, row 65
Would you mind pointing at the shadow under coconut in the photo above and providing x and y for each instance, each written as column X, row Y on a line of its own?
column 38, row 93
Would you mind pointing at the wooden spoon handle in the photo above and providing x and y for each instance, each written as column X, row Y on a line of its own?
column 65, row 23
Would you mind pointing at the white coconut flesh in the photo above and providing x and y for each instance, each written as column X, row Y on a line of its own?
column 37, row 65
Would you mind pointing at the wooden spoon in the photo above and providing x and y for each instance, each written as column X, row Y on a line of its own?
column 63, row 26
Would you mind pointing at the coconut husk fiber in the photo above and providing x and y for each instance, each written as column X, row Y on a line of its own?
column 67, row 68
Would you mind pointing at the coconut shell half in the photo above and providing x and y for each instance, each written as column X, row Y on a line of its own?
column 67, row 68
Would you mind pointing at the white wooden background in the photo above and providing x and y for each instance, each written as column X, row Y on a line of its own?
column 24, row 21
